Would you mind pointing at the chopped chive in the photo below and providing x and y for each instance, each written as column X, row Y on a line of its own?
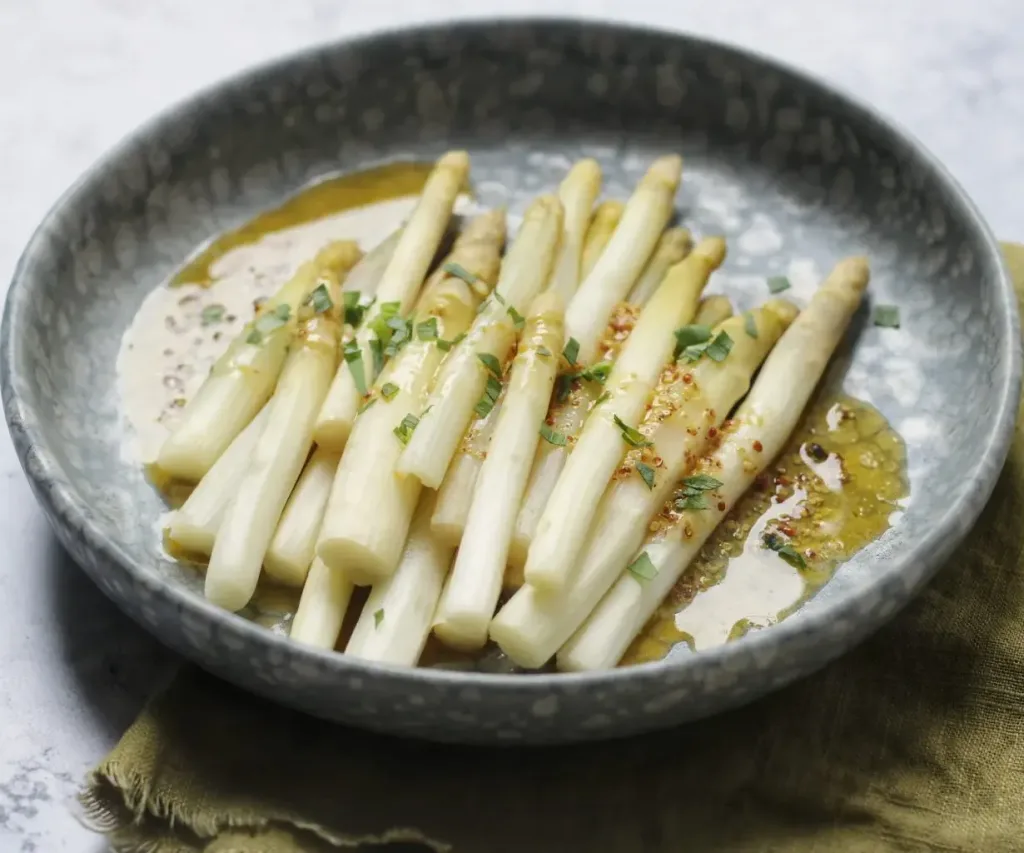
column 378, row 617
column 787, row 552
column 406, row 428
column 749, row 324
column 212, row 314
column 353, row 310
column 427, row 330
column 354, row 359
column 563, row 386
column 720, row 347
column 886, row 316
column 491, row 363
column 692, row 335
column 499, row 298
column 388, row 390
column 491, row 393
column 321, row 300
column 460, row 271
column 517, row 319
column 607, row 395
column 778, row 283
column 642, row 568
column 646, row 473
column 598, row 373
column 571, row 351
column 544, row 351
column 629, row 434
column 445, row 346
column 553, row 436
column 267, row 323
column 370, row 401
column 377, row 348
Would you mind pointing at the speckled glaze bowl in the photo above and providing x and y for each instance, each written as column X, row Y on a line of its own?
column 793, row 173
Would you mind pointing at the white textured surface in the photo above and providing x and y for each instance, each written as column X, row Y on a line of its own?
column 79, row 74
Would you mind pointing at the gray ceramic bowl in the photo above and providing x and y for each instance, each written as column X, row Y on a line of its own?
column 791, row 171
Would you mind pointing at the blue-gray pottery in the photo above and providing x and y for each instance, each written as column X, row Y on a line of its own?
column 793, row 173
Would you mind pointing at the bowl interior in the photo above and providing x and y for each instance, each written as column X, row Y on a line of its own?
column 795, row 176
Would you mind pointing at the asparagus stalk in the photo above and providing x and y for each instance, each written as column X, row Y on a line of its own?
column 760, row 429
column 566, row 518
column 456, row 493
column 603, row 223
column 531, row 626
column 249, row 521
column 291, row 550
column 365, row 277
column 645, row 217
column 370, row 508
column 577, row 193
column 471, row 592
column 395, row 622
column 462, row 381
column 243, row 378
column 713, row 310
column 322, row 605
column 672, row 247
column 396, row 292
column 193, row 527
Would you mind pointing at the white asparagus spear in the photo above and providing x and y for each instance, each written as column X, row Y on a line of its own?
column 760, row 429
column 291, row 550
column 249, row 521
column 322, row 605
column 243, row 378
column 402, row 279
column 603, row 223
column 471, row 592
column 193, row 526
column 646, row 215
column 456, row 493
column 567, row 417
column 395, row 622
column 692, row 401
column 577, row 193
column 673, row 246
column 370, row 508
column 566, row 518
column 485, row 350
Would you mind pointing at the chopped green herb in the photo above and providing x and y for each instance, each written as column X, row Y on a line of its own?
column 646, row 473
column 518, row 319
column 353, row 310
column 491, row 393
column 787, row 552
column 378, row 617
column 427, row 330
column 691, row 496
column 377, row 348
column 563, row 386
column 401, row 334
column 499, row 298
column 750, row 324
column 629, row 434
column 406, row 428
column 370, row 401
column 886, row 316
column 778, row 283
column 607, row 395
column 444, row 345
column 696, row 501
column 212, row 314
column 544, row 351
column 702, row 482
column 690, row 336
column 720, row 347
column 321, row 300
column 642, row 568
column 552, row 436
column 491, row 363
column 571, row 351
column 388, row 390
column 460, row 271
column 354, row 359
column 267, row 323
column 598, row 373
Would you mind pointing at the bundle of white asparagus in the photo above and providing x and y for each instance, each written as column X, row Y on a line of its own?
column 495, row 423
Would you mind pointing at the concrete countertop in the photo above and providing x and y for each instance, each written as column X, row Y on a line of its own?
column 79, row 74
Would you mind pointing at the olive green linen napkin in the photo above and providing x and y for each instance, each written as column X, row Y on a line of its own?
column 914, row 741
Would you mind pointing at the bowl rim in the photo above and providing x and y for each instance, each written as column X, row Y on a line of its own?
column 63, row 504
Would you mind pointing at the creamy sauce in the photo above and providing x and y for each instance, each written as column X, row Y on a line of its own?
column 836, row 488
column 184, row 325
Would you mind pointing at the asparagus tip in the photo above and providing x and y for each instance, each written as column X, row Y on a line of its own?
column 713, row 249
column 785, row 310
column 666, row 170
